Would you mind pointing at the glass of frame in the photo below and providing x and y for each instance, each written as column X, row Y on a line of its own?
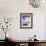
column 26, row 20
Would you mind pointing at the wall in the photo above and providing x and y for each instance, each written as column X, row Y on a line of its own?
column 13, row 8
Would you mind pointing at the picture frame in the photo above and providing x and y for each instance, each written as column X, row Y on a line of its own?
column 26, row 20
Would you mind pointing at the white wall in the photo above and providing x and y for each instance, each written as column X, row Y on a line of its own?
column 13, row 8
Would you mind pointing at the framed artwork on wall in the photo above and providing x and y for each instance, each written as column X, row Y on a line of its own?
column 26, row 20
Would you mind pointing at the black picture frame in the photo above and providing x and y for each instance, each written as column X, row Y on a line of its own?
column 26, row 20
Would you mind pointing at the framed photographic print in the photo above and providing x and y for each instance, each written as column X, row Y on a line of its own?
column 26, row 20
